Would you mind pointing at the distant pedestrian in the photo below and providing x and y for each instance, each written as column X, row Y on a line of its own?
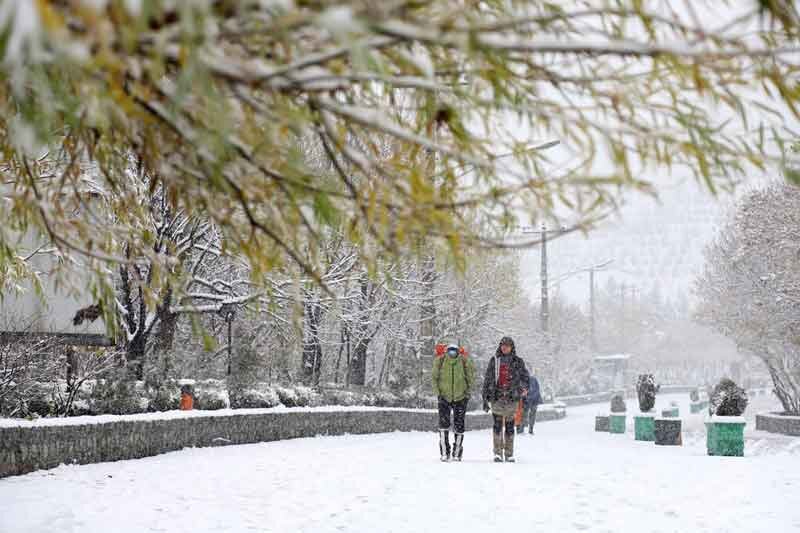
column 505, row 384
column 532, row 402
column 453, row 377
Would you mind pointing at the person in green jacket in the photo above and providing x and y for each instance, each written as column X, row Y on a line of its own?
column 453, row 377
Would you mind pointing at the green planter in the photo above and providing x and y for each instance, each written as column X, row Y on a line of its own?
column 616, row 423
column 644, row 427
column 725, row 437
column 672, row 412
column 601, row 423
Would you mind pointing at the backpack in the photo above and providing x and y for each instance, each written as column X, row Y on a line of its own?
column 440, row 359
column 440, row 351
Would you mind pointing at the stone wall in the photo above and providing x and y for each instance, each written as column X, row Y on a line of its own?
column 33, row 447
column 605, row 396
column 776, row 423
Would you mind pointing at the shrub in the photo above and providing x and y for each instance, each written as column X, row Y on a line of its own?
column 646, row 389
column 117, row 396
column 81, row 402
column 306, row 396
column 342, row 397
column 694, row 395
column 287, row 396
column 618, row 404
column 81, row 407
column 387, row 399
column 211, row 399
column 727, row 399
column 254, row 399
column 165, row 397
column 39, row 401
column 301, row 396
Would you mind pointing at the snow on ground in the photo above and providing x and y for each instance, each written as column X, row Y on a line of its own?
column 568, row 478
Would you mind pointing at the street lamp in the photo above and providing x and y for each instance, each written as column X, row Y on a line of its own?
column 598, row 267
column 228, row 311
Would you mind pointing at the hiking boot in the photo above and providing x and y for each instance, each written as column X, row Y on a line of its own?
column 508, row 445
column 444, row 445
column 498, row 458
column 498, row 445
column 510, row 459
column 458, row 446
column 520, row 430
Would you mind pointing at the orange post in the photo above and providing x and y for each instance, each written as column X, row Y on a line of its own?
column 187, row 402
column 187, row 398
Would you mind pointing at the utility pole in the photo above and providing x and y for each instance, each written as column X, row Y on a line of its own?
column 622, row 313
column 623, row 321
column 544, row 311
column 592, row 269
column 591, row 311
column 599, row 267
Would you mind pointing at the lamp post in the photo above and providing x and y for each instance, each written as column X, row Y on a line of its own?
column 598, row 267
column 592, row 269
column 227, row 311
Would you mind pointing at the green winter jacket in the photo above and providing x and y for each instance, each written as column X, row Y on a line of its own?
column 453, row 377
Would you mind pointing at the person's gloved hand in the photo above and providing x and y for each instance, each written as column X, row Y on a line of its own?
column 485, row 406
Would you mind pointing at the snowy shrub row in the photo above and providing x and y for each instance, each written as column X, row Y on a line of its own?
column 128, row 397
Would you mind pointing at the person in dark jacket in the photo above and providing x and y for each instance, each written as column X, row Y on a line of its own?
column 531, row 404
column 505, row 383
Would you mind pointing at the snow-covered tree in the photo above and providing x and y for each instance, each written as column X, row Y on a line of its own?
column 216, row 100
column 750, row 287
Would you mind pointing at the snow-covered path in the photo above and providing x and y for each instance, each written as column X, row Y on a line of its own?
column 568, row 478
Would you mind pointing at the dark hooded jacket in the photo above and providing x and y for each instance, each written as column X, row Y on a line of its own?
column 518, row 375
column 534, row 393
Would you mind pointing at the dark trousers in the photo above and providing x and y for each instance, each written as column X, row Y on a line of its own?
column 458, row 410
column 532, row 416
column 498, row 425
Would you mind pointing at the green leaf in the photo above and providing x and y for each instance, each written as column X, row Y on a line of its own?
column 325, row 210
column 792, row 175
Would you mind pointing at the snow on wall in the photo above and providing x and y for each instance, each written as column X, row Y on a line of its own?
column 778, row 423
column 28, row 446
